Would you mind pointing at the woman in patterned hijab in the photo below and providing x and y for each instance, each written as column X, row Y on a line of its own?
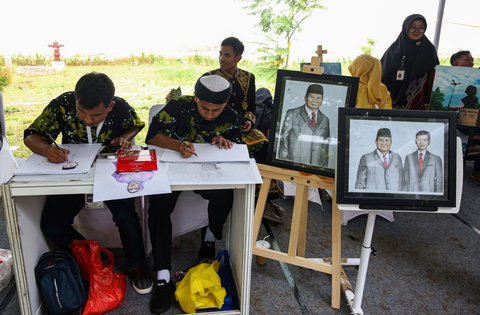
column 408, row 65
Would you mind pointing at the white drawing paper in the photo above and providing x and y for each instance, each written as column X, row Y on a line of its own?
column 83, row 154
column 207, row 152
column 8, row 164
column 213, row 173
column 110, row 185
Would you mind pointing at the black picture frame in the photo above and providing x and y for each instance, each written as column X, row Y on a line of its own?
column 361, row 181
column 290, row 146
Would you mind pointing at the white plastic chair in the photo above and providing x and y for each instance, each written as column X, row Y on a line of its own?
column 8, row 162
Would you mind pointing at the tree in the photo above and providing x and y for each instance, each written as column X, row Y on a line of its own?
column 437, row 99
column 279, row 21
column 368, row 48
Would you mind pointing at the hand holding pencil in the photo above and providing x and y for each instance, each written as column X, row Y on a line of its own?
column 56, row 154
column 187, row 149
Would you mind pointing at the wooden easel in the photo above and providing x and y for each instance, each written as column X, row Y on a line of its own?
column 314, row 66
column 297, row 241
column 298, row 233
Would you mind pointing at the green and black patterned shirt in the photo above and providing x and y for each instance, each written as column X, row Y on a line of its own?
column 60, row 116
column 181, row 120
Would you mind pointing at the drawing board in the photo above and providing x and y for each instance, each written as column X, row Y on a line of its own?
column 81, row 154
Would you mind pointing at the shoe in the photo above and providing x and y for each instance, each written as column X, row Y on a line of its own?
column 475, row 176
column 207, row 251
column 273, row 213
column 140, row 280
column 162, row 297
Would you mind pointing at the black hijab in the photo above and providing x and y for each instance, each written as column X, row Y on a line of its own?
column 420, row 58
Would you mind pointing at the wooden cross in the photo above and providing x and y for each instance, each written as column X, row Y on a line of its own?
column 314, row 66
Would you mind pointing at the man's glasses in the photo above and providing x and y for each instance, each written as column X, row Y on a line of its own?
column 415, row 29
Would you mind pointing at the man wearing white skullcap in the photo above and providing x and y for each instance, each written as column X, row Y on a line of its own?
column 203, row 118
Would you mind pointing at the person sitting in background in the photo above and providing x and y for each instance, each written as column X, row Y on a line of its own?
column 408, row 65
column 464, row 58
column 90, row 114
column 203, row 118
column 243, row 102
column 372, row 93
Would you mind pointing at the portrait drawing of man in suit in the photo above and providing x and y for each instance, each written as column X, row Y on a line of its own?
column 423, row 171
column 306, row 130
column 380, row 170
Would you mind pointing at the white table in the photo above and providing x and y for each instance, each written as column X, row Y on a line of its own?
column 23, row 199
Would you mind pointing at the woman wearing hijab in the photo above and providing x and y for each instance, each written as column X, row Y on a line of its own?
column 372, row 93
column 408, row 65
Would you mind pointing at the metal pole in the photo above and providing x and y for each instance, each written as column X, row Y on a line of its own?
column 362, row 269
column 438, row 26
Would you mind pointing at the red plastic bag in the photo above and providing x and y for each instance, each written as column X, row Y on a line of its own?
column 106, row 288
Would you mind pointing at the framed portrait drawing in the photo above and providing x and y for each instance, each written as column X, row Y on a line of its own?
column 398, row 160
column 303, row 134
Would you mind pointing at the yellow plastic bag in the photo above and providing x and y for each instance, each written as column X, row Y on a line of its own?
column 200, row 288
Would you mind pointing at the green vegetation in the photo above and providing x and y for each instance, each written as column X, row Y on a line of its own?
column 142, row 83
column 279, row 21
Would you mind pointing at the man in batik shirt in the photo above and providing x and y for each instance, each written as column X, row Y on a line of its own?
column 90, row 114
column 204, row 118
column 243, row 93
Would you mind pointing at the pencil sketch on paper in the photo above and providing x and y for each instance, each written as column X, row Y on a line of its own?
column 80, row 160
column 213, row 173
column 108, row 184
column 134, row 180
column 209, row 171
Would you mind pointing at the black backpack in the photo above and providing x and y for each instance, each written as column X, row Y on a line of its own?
column 60, row 283
column 264, row 109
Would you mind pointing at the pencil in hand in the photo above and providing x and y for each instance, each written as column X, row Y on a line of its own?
column 53, row 141
column 188, row 147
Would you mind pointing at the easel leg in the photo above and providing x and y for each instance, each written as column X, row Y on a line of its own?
column 302, row 233
column 300, row 199
column 336, row 254
column 362, row 269
column 260, row 206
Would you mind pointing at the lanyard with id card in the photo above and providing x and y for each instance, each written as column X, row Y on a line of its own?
column 401, row 71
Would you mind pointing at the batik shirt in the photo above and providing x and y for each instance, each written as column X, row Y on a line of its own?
column 243, row 92
column 60, row 117
column 181, row 120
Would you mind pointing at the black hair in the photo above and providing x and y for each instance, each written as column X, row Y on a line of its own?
column 94, row 88
column 423, row 133
column 457, row 55
column 314, row 88
column 236, row 44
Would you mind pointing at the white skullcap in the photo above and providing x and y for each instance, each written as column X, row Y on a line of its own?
column 213, row 89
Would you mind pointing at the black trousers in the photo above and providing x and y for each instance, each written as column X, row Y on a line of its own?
column 60, row 210
column 160, row 225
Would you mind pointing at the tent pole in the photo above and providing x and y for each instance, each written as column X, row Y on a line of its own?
column 438, row 27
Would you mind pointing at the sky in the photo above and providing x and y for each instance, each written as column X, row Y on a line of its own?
column 188, row 27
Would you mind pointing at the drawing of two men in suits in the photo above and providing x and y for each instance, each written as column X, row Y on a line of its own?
column 382, row 169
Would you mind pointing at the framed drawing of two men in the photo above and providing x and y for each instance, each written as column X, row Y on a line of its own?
column 397, row 158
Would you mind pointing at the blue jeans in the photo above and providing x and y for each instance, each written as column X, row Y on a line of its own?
column 60, row 210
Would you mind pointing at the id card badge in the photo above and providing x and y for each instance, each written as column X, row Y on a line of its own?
column 400, row 75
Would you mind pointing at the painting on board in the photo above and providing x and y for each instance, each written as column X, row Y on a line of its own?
column 455, row 88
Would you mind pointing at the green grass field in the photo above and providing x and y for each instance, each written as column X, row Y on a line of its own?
column 141, row 85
